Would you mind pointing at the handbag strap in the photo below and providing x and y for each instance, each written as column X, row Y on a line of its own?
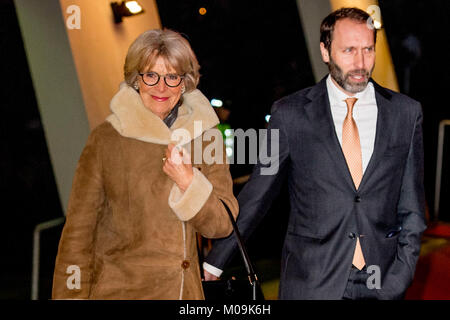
column 248, row 265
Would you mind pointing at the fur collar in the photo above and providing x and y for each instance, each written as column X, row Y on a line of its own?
column 133, row 120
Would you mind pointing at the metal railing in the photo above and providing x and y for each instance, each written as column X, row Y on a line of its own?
column 440, row 155
column 36, row 253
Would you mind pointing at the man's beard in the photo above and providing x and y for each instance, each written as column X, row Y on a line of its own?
column 344, row 79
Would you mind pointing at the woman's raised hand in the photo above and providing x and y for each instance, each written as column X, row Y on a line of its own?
column 178, row 166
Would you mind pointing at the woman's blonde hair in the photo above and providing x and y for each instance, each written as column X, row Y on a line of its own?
column 168, row 44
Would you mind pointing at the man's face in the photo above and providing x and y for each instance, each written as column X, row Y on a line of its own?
column 352, row 57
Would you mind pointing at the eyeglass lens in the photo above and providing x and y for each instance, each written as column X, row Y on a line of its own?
column 152, row 78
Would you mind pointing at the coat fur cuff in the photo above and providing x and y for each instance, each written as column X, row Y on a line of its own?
column 186, row 205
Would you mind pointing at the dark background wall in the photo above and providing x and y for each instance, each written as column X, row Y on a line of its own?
column 251, row 53
column 28, row 193
column 417, row 35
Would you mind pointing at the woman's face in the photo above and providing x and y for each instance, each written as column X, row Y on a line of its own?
column 160, row 98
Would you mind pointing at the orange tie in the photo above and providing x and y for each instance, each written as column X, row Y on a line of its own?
column 351, row 147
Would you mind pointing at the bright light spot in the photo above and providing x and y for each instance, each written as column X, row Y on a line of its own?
column 229, row 151
column 202, row 11
column 229, row 142
column 133, row 6
column 216, row 103
column 267, row 118
column 377, row 24
column 228, row 132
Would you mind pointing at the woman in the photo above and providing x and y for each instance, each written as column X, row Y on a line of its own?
column 135, row 207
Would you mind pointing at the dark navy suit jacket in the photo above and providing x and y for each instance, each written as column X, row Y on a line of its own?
column 327, row 212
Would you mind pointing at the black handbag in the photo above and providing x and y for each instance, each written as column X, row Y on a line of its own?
column 234, row 289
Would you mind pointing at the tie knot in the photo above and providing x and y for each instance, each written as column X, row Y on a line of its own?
column 350, row 103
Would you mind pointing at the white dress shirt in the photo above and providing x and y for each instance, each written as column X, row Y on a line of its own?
column 365, row 113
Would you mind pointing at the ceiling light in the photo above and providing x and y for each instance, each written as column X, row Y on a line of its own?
column 125, row 9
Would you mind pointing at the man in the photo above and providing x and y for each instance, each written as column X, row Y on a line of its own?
column 352, row 154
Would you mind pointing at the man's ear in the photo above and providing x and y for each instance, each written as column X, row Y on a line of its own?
column 325, row 53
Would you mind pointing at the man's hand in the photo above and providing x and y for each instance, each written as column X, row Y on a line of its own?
column 209, row 276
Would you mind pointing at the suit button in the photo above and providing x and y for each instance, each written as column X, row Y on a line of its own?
column 357, row 199
column 185, row 264
column 351, row 235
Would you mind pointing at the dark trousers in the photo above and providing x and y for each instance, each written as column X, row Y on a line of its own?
column 357, row 286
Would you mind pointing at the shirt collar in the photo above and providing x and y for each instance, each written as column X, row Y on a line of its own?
column 172, row 116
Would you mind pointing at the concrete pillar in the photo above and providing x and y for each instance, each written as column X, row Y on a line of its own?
column 56, row 86
column 311, row 15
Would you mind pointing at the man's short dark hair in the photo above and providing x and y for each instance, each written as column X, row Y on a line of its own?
column 327, row 26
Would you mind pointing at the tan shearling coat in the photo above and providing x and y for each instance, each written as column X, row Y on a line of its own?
column 130, row 231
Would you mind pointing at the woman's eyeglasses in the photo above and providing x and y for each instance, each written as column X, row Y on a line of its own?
column 152, row 78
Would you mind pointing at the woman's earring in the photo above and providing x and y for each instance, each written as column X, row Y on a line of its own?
column 183, row 89
column 136, row 86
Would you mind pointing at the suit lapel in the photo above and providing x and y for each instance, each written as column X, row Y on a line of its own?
column 319, row 113
column 385, row 120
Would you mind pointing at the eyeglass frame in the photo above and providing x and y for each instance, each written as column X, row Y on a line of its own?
column 159, row 78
